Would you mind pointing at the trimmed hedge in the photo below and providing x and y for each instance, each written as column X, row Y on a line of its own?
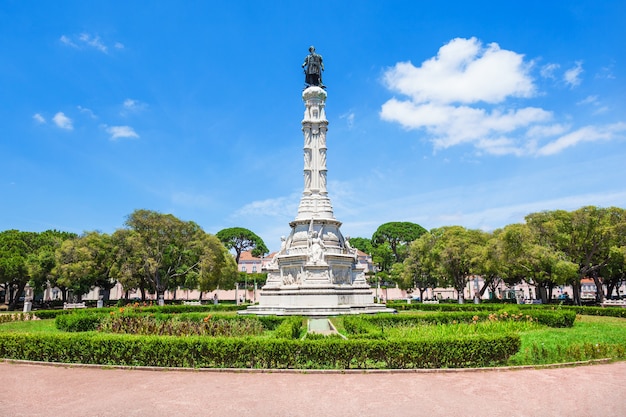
column 167, row 309
column 583, row 310
column 78, row 322
column 290, row 328
column 205, row 352
column 557, row 318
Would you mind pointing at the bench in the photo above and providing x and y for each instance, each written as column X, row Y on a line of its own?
column 68, row 306
column 614, row 303
column 192, row 303
column 430, row 302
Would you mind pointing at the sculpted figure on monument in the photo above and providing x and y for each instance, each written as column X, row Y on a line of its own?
column 313, row 67
column 316, row 248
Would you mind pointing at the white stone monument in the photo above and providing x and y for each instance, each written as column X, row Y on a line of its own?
column 315, row 273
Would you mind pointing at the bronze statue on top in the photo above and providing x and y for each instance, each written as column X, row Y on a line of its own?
column 313, row 67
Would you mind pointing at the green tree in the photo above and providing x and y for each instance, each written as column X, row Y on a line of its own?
column 585, row 236
column 614, row 272
column 164, row 253
column 24, row 258
column 397, row 235
column 240, row 240
column 42, row 261
column 490, row 263
column 217, row 268
column 420, row 269
column 86, row 262
column 455, row 250
column 527, row 257
column 363, row 244
column 15, row 248
column 128, row 265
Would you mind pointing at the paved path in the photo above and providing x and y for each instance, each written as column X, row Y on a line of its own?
column 39, row 390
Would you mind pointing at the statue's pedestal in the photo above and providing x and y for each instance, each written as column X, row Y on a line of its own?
column 316, row 301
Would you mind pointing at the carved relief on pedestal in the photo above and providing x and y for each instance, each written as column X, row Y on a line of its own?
column 292, row 276
column 342, row 276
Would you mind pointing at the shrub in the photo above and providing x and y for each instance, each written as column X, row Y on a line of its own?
column 78, row 322
column 290, row 328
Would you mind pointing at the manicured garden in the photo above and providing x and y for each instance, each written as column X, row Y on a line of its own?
column 195, row 336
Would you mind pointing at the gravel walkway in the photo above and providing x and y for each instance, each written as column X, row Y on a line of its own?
column 43, row 390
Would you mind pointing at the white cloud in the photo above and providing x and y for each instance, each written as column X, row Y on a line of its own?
column 86, row 40
column 572, row 75
column 470, row 94
column 93, row 41
column 547, row 71
column 589, row 100
column 67, row 41
column 39, row 118
column 117, row 132
column 463, row 71
column 87, row 111
column 450, row 125
column 134, row 106
column 272, row 207
column 62, row 121
column 349, row 119
column 584, row 134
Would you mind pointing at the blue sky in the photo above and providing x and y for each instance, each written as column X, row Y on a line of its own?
column 440, row 113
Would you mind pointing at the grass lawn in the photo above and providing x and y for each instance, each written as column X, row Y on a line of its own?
column 33, row 326
column 592, row 337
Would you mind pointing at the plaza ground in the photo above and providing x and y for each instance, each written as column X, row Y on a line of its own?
column 44, row 390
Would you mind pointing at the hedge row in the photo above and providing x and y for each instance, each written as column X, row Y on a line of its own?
column 167, row 309
column 598, row 311
column 202, row 352
column 583, row 310
column 558, row 318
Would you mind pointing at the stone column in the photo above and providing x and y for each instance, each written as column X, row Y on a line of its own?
column 315, row 202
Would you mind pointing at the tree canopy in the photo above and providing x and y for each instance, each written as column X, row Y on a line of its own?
column 397, row 235
column 240, row 240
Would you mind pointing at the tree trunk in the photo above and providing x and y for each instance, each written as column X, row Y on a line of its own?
column 610, row 286
column 143, row 294
column 576, row 292
column 542, row 294
column 599, row 289
column 460, row 295
column 16, row 297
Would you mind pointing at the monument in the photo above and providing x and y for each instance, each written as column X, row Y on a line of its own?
column 315, row 272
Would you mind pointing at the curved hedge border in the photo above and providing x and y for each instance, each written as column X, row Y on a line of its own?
column 168, row 309
column 583, row 310
column 556, row 318
column 203, row 352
